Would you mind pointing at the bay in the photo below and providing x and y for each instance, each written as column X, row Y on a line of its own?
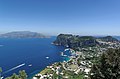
column 30, row 54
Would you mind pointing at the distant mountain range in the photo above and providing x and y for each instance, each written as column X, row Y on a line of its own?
column 22, row 34
column 74, row 41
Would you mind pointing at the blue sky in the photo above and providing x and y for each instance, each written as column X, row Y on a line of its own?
column 83, row 17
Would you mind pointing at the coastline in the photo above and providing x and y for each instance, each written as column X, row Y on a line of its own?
column 65, row 59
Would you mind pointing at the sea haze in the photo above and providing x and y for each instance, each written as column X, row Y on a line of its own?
column 28, row 54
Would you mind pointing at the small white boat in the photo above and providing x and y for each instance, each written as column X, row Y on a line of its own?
column 47, row 57
column 30, row 65
column 2, row 77
column 62, row 53
column 66, row 49
column 67, row 46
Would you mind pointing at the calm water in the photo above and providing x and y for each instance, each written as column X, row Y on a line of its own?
column 18, row 54
column 118, row 37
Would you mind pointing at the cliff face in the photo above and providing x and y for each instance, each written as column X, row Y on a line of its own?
column 73, row 41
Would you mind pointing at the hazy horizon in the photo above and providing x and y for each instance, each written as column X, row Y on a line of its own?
column 52, row 17
column 58, row 33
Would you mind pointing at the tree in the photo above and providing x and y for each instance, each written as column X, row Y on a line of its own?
column 0, row 72
column 108, row 66
column 8, row 78
column 22, row 74
column 14, row 76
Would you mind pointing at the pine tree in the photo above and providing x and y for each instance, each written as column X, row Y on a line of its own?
column 108, row 66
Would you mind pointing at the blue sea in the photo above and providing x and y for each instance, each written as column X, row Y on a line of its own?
column 31, row 55
column 118, row 37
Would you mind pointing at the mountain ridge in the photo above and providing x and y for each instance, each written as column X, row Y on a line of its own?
column 23, row 34
column 74, row 41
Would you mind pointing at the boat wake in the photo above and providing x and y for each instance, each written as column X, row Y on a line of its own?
column 1, row 45
column 14, row 68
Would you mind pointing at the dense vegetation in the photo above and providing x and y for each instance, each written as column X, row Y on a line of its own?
column 74, row 41
column 22, row 75
column 0, row 72
column 108, row 39
column 108, row 67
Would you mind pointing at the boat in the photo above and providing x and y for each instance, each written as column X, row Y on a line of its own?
column 47, row 57
column 1, row 77
column 67, row 46
column 66, row 49
column 62, row 53
column 30, row 65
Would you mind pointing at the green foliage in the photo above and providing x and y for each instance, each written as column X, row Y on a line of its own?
column 0, row 72
column 55, row 76
column 108, row 66
column 14, row 76
column 75, row 41
column 108, row 39
column 8, row 78
column 0, row 69
column 22, row 75
column 46, row 71
column 79, row 76
column 79, row 61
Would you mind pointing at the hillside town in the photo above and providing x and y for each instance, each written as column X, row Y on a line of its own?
column 80, row 62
